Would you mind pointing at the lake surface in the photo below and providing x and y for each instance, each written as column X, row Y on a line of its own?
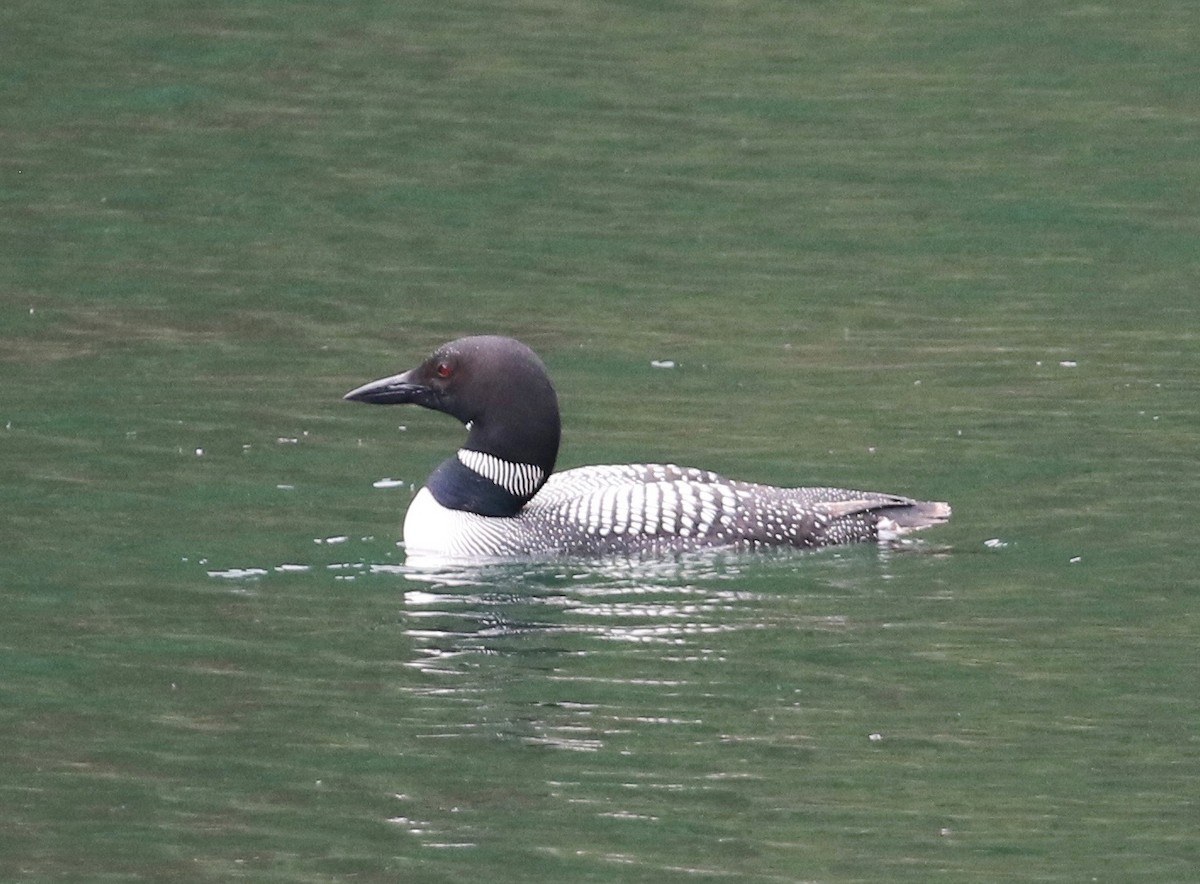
column 936, row 250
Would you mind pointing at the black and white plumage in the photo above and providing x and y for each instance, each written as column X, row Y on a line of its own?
column 499, row 497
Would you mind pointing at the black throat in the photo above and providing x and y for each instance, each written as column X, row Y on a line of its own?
column 458, row 487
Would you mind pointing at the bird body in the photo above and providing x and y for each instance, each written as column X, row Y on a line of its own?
column 499, row 497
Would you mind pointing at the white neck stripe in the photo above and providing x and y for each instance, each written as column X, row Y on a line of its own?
column 519, row 479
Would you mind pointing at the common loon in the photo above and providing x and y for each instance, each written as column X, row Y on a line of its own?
column 499, row 497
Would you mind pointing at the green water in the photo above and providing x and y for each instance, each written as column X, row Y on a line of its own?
column 944, row 250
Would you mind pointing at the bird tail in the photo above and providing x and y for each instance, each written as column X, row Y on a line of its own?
column 896, row 521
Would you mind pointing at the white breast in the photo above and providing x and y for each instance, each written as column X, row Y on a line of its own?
column 433, row 531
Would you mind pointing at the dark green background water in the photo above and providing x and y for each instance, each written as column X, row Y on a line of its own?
column 941, row 249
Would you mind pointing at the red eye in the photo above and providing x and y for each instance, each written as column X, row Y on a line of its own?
column 444, row 370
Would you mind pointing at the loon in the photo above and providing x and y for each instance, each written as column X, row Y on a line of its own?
column 498, row 496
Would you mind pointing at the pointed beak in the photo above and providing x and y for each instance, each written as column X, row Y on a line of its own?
column 398, row 389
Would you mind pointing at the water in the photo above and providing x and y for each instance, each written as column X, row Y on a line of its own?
column 916, row 250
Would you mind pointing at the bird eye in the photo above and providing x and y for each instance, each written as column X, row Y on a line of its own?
column 444, row 370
